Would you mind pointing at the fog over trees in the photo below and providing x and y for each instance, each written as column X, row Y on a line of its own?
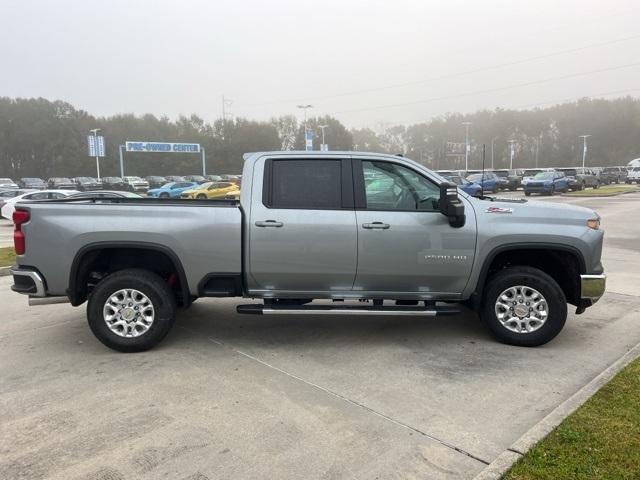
column 45, row 138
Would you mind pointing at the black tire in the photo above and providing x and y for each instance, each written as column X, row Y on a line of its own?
column 163, row 195
column 533, row 278
column 147, row 283
column 527, row 194
column 597, row 185
column 201, row 196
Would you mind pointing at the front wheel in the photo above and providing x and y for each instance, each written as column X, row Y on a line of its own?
column 201, row 196
column 527, row 194
column 524, row 306
column 131, row 310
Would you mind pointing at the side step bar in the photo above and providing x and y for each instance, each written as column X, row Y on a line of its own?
column 431, row 311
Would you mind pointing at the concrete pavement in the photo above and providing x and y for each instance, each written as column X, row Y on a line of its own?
column 231, row 396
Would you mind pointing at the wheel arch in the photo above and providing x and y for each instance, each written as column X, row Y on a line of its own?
column 523, row 253
column 89, row 253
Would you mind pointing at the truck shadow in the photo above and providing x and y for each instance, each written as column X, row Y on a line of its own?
column 220, row 322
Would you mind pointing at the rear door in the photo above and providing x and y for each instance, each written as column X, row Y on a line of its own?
column 302, row 226
column 404, row 243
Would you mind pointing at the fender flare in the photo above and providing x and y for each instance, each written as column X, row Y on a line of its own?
column 114, row 245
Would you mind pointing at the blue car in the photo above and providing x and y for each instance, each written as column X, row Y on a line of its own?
column 466, row 186
column 487, row 180
column 546, row 183
column 171, row 190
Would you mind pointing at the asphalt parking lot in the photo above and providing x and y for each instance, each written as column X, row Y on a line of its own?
column 232, row 396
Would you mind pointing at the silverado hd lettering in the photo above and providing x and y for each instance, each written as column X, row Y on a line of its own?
column 319, row 233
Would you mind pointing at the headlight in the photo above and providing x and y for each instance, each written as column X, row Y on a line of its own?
column 594, row 223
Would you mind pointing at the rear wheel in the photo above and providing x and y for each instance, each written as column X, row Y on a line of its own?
column 524, row 306
column 164, row 195
column 201, row 196
column 527, row 194
column 131, row 310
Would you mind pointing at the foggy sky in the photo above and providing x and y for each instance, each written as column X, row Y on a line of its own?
column 367, row 63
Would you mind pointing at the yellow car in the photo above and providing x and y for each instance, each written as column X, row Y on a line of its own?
column 210, row 190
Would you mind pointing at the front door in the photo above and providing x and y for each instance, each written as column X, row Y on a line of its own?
column 404, row 243
column 302, row 226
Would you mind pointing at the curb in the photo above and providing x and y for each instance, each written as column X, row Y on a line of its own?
column 5, row 271
column 615, row 194
column 507, row 458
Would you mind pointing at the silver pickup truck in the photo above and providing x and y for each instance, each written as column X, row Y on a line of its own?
column 314, row 233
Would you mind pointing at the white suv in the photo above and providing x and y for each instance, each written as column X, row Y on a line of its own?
column 634, row 175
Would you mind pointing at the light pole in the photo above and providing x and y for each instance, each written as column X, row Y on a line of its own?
column 467, row 149
column 513, row 152
column 324, row 145
column 305, row 108
column 584, row 148
column 95, row 138
column 492, row 142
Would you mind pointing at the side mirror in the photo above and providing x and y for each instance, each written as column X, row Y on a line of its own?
column 450, row 204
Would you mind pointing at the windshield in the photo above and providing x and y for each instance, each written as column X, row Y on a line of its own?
column 543, row 176
column 5, row 180
column 501, row 173
column 85, row 179
column 477, row 177
column 133, row 179
column 530, row 173
column 569, row 171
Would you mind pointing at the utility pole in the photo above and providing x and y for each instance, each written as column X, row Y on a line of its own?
column 324, row 145
column 492, row 141
column 95, row 136
column 467, row 149
column 513, row 153
column 584, row 148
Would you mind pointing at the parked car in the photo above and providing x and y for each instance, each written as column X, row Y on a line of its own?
column 60, row 183
column 213, row 178
column 508, row 179
column 175, row 178
column 465, row 185
column 33, row 183
column 106, row 194
column 6, row 183
column 5, row 195
column 155, row 181
column 195, row 178
column 487, row 180
column 292, row 239
column 10, row 203
column 580, row 178
column 210, row 190
column 135, row 184
column 84, row 184
column 615, row 174
column 603, row 178
column 634, row 175
column 113, row 183
column 171, row 189
column 547, row 183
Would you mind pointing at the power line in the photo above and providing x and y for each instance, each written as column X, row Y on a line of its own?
column 489, row 90
column 466, row 72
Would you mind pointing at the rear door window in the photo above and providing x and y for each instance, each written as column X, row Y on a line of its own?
column 306, row 184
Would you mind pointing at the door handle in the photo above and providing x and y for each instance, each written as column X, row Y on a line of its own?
column 269, row 223
column 376, row 225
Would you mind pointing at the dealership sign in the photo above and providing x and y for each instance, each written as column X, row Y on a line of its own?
column 162, row 147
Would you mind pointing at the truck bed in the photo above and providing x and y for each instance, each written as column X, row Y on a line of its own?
column 205, row 235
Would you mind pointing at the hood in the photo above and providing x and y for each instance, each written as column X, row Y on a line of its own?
column 539, row 213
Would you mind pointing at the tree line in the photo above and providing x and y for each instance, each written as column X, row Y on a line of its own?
column 43, row 138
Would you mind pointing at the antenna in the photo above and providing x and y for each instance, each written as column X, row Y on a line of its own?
column 482, row 178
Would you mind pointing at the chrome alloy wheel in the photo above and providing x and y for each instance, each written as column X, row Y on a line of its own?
column 521, row 309
column 128, row 313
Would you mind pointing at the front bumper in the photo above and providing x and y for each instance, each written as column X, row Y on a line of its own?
column 592, row 287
